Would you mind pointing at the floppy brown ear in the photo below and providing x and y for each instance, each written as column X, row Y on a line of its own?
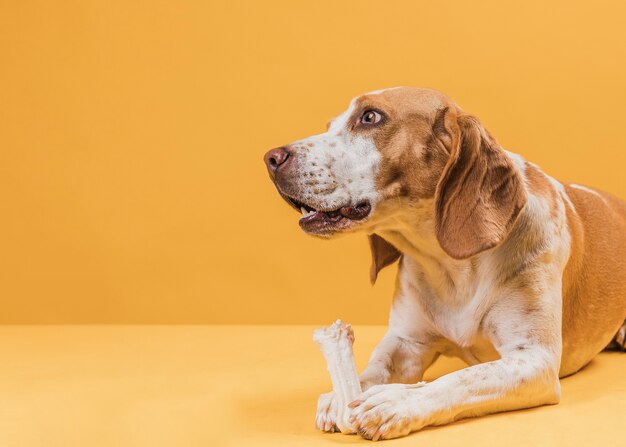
column 383, row 254
column 480, row 193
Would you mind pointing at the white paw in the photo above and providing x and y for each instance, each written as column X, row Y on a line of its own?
column 388, row 411
column 326, row 417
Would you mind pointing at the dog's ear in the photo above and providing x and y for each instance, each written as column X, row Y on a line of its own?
column 480, row 193
column 383, row 254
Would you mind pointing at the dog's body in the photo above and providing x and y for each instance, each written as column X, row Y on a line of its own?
column 521, row 276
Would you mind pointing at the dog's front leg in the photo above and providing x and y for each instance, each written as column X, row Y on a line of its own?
column 519, row 380
column 525, row 331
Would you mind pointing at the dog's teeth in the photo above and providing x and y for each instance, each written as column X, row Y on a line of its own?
column 306, row 213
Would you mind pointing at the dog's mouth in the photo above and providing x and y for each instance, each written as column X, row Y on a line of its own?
column 319, row 221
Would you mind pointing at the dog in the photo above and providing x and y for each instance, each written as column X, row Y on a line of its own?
column 521, row 276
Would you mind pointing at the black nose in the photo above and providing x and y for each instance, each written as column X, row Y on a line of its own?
column 275, row 158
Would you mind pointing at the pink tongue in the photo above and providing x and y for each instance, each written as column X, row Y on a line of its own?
column 356, row 212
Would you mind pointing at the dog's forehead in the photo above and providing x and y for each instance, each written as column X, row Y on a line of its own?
column 407, row 100
column 397, row 101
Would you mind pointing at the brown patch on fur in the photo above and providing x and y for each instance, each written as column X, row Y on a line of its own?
column 594, row 285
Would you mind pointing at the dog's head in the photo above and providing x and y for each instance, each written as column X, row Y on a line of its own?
column 396, row 148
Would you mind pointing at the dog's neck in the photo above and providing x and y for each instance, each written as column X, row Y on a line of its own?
column 411, row 230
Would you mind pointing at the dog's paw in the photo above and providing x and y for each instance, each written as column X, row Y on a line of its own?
column 326, row 417
column 387, row 411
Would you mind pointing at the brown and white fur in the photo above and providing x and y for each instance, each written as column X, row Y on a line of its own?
column 521, row 276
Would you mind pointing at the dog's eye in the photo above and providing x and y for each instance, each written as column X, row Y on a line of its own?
column 370, row 117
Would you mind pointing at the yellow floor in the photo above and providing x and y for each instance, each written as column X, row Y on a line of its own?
column 187, row 386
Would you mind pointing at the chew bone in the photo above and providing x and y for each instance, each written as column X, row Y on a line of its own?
column 335, row 343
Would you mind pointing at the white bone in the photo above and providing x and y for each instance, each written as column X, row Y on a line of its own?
column 335, row 343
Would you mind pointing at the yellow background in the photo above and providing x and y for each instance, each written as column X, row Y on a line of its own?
column 131, row 136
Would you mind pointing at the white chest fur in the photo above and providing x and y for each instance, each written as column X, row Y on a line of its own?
column 451, row 299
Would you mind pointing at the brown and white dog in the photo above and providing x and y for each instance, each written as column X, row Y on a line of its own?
column 521, row 276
